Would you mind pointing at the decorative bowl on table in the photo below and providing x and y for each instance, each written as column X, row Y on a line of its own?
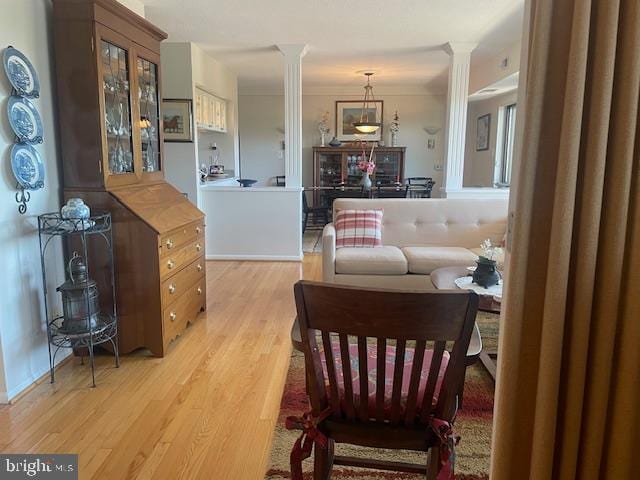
column 246, row 182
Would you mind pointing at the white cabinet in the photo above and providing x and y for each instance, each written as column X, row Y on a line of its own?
column 211, row 112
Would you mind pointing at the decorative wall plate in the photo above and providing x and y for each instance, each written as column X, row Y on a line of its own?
column 27, row 166
column 21, row 73
column 25, row 120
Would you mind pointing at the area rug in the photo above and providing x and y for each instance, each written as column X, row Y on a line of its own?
column 473, row 424
column 312, row 241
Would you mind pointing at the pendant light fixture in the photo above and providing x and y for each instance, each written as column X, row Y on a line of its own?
column 366, row 123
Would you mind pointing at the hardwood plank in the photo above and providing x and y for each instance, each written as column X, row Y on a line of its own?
column 193, row 414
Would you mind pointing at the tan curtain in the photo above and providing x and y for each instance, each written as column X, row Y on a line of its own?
column 568, row 392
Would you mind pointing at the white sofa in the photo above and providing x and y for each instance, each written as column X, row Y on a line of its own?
column 419, row 235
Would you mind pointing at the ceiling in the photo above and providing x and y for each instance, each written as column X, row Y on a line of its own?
column 400, row 41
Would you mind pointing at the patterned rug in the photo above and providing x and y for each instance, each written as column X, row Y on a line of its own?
column 473, row 424
column 312, row 240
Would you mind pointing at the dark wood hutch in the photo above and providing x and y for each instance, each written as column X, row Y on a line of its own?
column 109, row 93
column 334, row 166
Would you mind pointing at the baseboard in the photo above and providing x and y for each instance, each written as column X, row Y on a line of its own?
column 25, row 387
column 259, row 258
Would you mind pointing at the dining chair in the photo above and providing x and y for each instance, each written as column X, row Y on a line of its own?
column 383, row 370
column 420, row 187
column 318, row 214
column 399, row 192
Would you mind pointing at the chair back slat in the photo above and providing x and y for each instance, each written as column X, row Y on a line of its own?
column 346, row 376
column 432, row 379
column 334, row 398
column 363, row 375
column 381, row 364
column 414, row 381
column 363, row 329
column 398, row 370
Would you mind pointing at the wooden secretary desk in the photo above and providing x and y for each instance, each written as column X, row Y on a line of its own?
column 108, row 78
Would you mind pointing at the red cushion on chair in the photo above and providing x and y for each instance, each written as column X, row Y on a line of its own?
column 389, row 369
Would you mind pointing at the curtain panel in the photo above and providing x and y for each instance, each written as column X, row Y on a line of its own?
column 568, row 391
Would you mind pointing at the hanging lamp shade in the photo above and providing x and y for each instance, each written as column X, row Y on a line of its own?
column 366, row 123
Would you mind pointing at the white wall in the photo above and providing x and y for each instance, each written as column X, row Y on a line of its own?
column 479, row 165
column 487, row 72
column 185, row 66
column 134, row 5
column 179, row 158
column 257, row 223
column 261, row 124
column 23, row 342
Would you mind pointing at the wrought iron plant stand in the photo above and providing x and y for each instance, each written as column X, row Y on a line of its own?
column 81, row 326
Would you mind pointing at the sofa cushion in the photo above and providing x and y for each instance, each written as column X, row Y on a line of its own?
column 358, row 228
column 385, row 260
column 424, row 260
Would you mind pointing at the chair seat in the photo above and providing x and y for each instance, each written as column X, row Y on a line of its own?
column 389, row 369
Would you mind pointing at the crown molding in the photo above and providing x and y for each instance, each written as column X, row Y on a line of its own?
column 351, row 91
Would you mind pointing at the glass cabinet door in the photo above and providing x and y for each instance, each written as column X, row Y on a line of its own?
column 147, row 75
column 117, row 108
column 330, row 170
column 387, row 168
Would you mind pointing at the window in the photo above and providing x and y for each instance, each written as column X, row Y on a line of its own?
column 506, row 139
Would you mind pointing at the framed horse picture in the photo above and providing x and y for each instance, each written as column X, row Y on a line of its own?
column 177, row 120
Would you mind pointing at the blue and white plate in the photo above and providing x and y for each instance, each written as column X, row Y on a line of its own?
column 24, row 119
column 27, row 166
column 21, row 73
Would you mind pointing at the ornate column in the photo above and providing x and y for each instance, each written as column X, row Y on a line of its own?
column 293, row 54
column 456, row 120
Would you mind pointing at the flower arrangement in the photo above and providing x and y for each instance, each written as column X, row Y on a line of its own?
column 366, row 166
column 491, row 251
column 323, row 126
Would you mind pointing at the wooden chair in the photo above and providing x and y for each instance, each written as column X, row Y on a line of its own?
column 318, row 213
column 408, row 333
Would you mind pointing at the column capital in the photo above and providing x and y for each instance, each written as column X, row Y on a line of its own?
column 453, row 48
column 293, row 50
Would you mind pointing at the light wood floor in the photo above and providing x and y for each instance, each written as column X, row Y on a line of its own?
column 205, row 411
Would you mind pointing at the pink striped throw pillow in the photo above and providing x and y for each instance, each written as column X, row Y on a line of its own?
column 358, row 228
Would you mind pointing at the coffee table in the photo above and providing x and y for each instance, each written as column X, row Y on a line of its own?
column 444, row 279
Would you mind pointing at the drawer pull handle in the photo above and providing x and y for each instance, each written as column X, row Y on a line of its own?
column 199, row 267
column 199, row 290
column 169, row 244
column 172, row 288
column 173, row 316
column 198, row 247
column 170, row 264
column 198, row 230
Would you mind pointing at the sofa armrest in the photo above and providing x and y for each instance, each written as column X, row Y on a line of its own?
column 329, row 253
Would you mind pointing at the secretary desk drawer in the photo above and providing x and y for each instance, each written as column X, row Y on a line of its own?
column 185, row 309
column 176, row 260
column 172, row 241
column 173, row 287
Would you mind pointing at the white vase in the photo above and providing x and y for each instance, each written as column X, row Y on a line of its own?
column 366, row 181
column 394, row 139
